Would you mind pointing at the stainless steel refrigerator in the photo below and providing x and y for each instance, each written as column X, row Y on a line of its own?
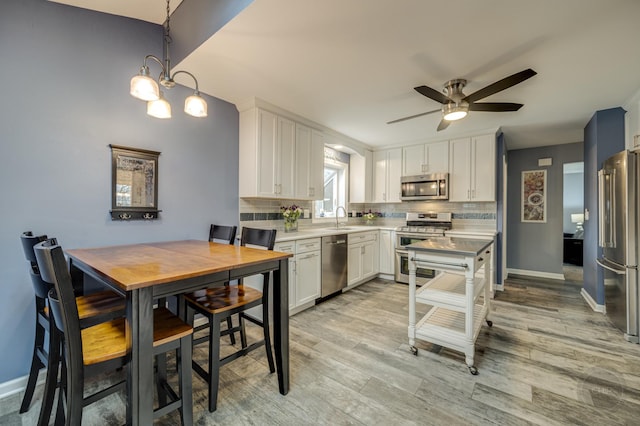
column 618, row 185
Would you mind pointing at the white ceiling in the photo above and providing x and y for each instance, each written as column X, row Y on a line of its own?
column 351, row 65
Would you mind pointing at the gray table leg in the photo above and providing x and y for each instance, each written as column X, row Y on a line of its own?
column 281, row 324
column 140, row 338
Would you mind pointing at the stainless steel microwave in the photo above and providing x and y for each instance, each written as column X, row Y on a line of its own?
column 425, row 187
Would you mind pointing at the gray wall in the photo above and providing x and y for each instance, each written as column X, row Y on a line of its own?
column 537, row 246
column 603, row 137
column 65, row 74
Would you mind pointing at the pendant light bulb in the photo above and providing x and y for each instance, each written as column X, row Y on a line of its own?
column 144, row 87
column 159, row 108
column 195, row 105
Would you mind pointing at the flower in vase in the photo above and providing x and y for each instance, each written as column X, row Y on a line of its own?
column 291, row 213
column 369, row 216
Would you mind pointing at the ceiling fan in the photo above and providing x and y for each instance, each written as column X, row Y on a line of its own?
column 456, row 105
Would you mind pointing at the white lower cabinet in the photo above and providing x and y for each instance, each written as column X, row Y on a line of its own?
column 308, row 264
column 304, row 272
column 387, row 251
column 363, row 258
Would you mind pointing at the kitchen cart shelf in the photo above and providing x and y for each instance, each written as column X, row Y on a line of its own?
column 447, row 328
column 459, row 295
column 449, row 290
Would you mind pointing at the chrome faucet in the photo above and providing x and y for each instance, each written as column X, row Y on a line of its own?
column 345, row 215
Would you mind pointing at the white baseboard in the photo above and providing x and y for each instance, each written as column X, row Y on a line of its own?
column 390, row 277
column 592, row 303
column 14, row 386
column 537, row 274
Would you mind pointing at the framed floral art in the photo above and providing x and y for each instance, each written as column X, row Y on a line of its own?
column 534, row 196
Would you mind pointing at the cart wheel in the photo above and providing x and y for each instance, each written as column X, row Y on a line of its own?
column 413, row 350
column 490, row 323
column 473, row 370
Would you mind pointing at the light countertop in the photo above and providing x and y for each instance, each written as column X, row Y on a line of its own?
column 452, row 246
column 321, row 232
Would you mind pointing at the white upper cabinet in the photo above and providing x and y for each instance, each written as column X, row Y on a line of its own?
column 387, row 168
column 472, row 169
column 361, row 178
column 425, row 158
column 284, row 168
column 279, row 158
column 309, row 164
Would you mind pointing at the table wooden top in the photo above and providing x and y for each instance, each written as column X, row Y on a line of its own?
column 141, row 265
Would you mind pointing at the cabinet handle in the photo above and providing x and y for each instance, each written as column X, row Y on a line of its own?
column 362, row 250
column 473, row 193
column 384, row 196
column 480, row 259
column 468, row 194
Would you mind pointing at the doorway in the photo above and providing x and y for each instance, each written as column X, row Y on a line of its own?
column 573, row 220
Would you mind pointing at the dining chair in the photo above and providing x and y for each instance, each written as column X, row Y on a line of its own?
column 92, row 309
column 219, row 303
column 222, row 234
column 103, row 347
column 226, row 235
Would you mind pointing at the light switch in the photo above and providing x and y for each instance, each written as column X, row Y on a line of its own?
column 586, row 214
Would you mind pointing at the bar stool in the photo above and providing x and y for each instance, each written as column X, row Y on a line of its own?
column 92, row 309
column 219, row 303
column 103, row 347
column 225, row 235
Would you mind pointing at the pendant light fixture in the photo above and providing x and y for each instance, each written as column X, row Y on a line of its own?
column 145, row 88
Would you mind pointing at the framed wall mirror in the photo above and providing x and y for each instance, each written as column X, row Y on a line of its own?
column 134, row 183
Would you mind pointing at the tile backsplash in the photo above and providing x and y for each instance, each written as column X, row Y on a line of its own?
column 263, row 213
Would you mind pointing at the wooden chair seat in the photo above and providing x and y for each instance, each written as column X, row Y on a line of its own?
column 107, row 340
column 97, row 305
column 227, row 298
column 100, row 304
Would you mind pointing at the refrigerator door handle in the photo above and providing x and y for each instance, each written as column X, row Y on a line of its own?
column 606, row 208
column 603, row 263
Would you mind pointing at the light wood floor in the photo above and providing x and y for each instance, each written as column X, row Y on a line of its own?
column 547, row 360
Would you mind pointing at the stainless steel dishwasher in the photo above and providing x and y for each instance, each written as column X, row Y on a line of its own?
column 334, row 264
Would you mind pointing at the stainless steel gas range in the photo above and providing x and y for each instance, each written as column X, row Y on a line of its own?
column 419, row 227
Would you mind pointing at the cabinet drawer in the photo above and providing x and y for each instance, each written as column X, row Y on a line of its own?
column 310, row 244
column 363, row 237
column 483, row 257
column 286, row 247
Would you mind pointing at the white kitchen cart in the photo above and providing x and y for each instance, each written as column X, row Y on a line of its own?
column 459, row 295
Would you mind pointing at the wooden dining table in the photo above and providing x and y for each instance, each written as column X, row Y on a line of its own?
column 143, row 273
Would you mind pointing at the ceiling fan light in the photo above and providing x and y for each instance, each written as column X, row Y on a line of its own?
column 453, row 112
column 455, row 115
column 159, row 108
column 144, row 87
column 195, row 106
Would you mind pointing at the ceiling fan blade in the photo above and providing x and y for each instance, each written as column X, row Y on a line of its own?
column 433, row 94
column 443, row 124
column 413, row 116
column 500, row 85
column 495, row 106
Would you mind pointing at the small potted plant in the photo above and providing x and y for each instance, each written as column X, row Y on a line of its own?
column 369, row 217
column 291, row 215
